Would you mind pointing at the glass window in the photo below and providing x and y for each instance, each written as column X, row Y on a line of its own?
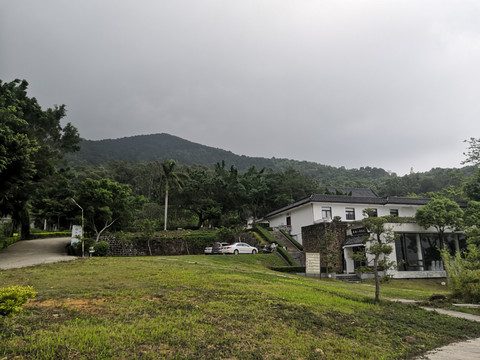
column 394, row 212
column 462, row 242
column 430, row 246
column 326, row 212
column 407, row 253
column 350, row 213
column 451, row 243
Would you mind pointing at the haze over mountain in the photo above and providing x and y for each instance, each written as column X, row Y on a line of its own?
column 159, row 147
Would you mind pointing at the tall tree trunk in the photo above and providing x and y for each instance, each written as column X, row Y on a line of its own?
column 377, row 280
column 166, row 210
column 25, row 223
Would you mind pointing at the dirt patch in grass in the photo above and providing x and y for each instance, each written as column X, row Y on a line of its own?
column 88, row 306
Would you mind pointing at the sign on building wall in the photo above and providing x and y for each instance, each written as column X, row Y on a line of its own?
column 359, row 231
column 312, row 263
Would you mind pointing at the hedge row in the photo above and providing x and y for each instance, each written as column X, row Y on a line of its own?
column 292, row 240
column 5, row 242
column 265, row 234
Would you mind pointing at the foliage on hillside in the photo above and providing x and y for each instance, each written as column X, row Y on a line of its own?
column 159, row 147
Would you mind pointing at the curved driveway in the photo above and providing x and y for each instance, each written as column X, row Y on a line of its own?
column 34, row 252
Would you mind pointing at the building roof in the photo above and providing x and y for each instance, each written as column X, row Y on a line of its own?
column 353, row 241
column 359, row 196
column 356, row 192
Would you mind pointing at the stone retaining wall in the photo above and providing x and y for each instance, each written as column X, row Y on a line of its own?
column 161, row 246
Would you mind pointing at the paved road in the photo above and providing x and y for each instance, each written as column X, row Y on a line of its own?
column 34, row 252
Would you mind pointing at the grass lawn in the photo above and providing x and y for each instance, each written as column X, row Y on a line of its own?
column 214, row 307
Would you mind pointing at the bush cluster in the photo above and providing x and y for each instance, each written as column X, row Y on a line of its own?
column 464, row 274
column 100, row 248
column 13, row 297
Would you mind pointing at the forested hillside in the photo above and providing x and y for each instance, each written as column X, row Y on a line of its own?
column 159, row 147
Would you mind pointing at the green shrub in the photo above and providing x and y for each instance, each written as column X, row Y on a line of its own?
column 6, row 229
column 286, row 256
column 13, row 297
column 101, row 248
column 77, row 247
column 263, row 232
column 5, row 242
column 45, row 235
column 225, row 235
column 464, row 274
column 260, row 239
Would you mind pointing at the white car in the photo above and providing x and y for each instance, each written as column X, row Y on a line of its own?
column 208, row 250
column 239, row 248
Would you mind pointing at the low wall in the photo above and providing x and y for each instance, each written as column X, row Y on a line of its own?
column 419, row 274
column 163, row 246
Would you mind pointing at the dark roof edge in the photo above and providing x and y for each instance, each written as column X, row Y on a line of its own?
column 319, row 198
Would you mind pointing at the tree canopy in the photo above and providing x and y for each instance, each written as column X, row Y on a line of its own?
column 442, row 214
column 33, row 142
column 105, row 203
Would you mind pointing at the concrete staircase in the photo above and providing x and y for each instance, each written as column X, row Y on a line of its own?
column 296, row 254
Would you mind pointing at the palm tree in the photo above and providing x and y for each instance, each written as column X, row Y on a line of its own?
column 171, row 178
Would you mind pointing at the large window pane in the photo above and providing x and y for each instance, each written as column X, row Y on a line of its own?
column 451, row 243
column 430, row 246
column 407, row 253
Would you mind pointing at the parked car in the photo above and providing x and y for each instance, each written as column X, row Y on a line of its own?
column 208, row 250
column 239, row 248
column 217, row 248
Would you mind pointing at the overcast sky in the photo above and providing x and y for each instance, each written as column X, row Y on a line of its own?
column 390, row 84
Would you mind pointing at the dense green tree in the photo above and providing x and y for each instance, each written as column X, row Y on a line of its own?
column 442, row 214
column 17, row 167
column 472, row 187
column 471, row 215
column 255, row 186
column 200, row 195
column 378, row 246
column 106, row 203
column 47, row 142
column 51, row 202
column 286, row 187
column 473, row 152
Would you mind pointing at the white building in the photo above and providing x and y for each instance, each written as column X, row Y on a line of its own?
column 324, row 207
column 415, row 249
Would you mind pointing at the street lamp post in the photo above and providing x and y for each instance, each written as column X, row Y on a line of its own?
column 83, row 244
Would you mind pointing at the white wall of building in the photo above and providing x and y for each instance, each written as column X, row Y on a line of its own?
column 311, row 213
column 340, row 210
column 299, row 217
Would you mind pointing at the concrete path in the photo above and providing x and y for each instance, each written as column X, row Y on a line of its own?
column 465, row 350
column 457, row 314
column 34, row 252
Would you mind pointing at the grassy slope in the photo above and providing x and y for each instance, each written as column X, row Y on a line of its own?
column 208, row 307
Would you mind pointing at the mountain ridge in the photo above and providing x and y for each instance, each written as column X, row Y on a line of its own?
column 162, row 146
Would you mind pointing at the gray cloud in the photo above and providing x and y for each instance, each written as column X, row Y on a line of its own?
column 346, row 83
